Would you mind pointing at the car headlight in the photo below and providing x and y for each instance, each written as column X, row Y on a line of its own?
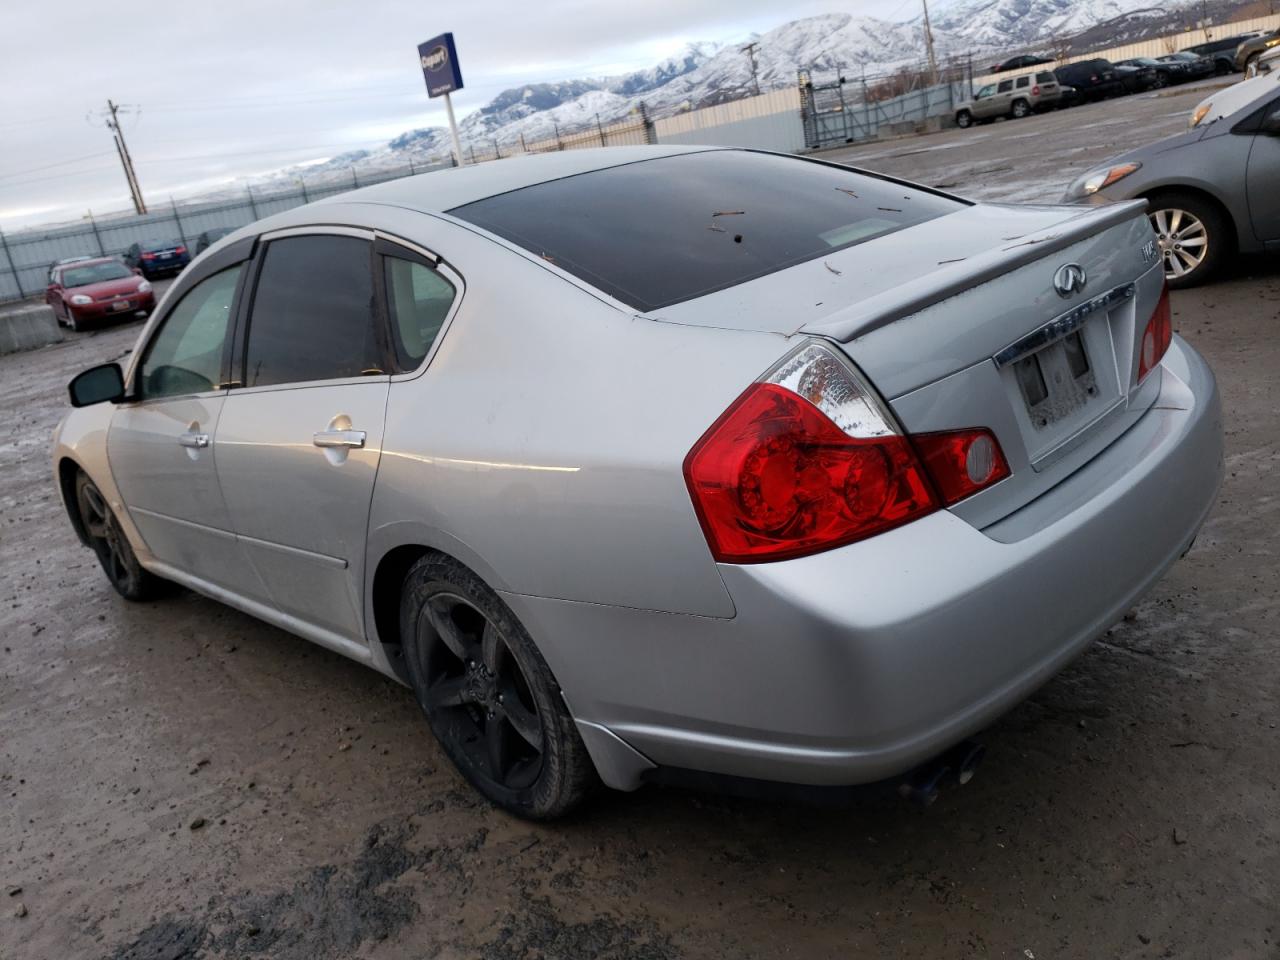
column 1202, row 111
column 143, row 286
column 81, row 299
column 1097, row 180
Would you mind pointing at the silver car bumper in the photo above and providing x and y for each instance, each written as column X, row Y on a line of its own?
column 859, row 663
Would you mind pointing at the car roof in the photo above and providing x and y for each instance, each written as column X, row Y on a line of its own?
column 443, row 190
column 86, row 261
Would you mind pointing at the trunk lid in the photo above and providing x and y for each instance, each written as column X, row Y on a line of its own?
column 957, row 323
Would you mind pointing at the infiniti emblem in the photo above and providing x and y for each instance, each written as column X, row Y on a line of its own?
column 1069, row 280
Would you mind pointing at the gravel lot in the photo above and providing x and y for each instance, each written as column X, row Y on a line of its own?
column 179, row 780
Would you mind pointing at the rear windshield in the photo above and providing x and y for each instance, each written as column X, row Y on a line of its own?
column 94, row 273
column 661, row 231
column 1046, row 78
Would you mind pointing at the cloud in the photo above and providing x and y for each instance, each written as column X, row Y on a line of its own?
column 223, row 89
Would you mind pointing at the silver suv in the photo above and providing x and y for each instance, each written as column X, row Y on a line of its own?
column 1013, row 97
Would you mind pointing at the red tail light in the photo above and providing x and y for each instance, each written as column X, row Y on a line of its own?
column 1156, row 337
column 181, row 248
column 1035, row 91
column 808, row 460
column 961, row 462
column 148, row 256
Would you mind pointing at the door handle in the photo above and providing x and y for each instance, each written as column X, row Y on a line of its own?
column 339, row 438
column 196, row 440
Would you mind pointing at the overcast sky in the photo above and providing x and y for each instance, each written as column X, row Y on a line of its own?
column 229, row 88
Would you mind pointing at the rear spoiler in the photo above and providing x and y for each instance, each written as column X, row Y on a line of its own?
column 954, row 278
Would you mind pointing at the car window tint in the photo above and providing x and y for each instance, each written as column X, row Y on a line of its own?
column 186, row 354
column 1024, row 82
column 657, row 232
column 1005, row 86
column 1045, row 77
column 418, row 300
column 312, row 313
column 985, row 92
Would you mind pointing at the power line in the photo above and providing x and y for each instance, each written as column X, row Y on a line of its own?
column 59, row 163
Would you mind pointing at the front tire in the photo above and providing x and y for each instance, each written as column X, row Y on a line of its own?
column 112, row 547
column 488, row 694
column 1194, row 237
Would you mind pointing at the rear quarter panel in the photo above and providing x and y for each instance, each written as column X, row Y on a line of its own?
column 544, row 443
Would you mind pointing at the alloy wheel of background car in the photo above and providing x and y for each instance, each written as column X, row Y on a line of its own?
column 1191, row 234
column 1020, row 109
column 488, row 695
column 111, row 546
column 963, row 119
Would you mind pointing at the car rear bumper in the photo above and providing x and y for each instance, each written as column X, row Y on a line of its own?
column 859, row 663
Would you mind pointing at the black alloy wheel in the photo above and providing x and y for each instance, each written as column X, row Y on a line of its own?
column 111, row 546
column 488, row 695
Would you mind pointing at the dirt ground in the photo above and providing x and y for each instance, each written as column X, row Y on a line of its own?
column 181, row 781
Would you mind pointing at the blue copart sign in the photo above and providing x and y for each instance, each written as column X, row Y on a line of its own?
column 440, row 65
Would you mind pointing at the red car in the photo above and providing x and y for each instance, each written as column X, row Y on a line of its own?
column 95, row 289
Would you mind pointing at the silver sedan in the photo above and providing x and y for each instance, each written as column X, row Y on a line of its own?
column 644, row 460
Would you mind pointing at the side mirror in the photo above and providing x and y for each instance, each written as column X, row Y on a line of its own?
column 101, row 384
column 1271, row 124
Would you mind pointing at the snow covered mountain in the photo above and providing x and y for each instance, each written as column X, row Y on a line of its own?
column 709, row 73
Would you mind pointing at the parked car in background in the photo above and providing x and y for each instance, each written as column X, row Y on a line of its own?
column 1198, row 67
column 1137, row 78
column 1210, row 191
column 156, row 258
column 83, row 291
column 1091, row 79
column 1167, row 73
column 58, row 263
column 210, row 237
column 828, row 488
column 1251, row 49
column 1265, row 63
column 1019, row 63
column 1013, row 97
column 1222, row 52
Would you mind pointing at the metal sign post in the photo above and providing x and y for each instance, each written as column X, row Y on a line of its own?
column 440, row 68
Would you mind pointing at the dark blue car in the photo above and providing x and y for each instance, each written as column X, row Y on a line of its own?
column 155, row 258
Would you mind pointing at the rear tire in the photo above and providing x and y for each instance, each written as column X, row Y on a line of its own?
column 488, row 694
column 1019, row 109
column 112, row 547
column 964, row 119
column 1194, row 237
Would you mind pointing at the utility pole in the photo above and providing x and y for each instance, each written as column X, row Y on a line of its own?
column 750, row 51
column 928, row 45
column 126, row 161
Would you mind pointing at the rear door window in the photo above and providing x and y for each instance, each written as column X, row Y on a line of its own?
column 313, row 315
column 1023, row 82
column 657, row 232
column 1005, row 86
